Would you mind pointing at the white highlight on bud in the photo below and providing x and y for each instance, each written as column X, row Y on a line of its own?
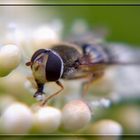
column 75, row 115
column 10, row 57
column 107, row 127
column 16, row 119
column 47, row 119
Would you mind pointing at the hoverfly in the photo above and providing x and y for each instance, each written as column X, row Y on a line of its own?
column 70, row 61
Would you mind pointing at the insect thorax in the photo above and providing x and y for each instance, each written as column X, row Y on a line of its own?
column 69, row 55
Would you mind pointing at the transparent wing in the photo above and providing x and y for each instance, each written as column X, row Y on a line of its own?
column 124, row 53
column 126, row 78
column 123, row 72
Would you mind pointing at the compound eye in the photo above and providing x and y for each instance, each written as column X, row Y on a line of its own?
column 54, row 67
column 37, row 53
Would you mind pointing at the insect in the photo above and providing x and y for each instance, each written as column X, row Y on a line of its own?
column 69, row 61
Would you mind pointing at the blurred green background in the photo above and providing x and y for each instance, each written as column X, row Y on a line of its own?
column 121, row 21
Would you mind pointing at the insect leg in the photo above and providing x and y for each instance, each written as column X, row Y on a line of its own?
column 78, row 77
column 40, row 88
column 46, row 100
column 86, row 85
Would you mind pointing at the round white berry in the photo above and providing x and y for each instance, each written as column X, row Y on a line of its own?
column 10, row 57
column 16, row 119
column 44, row 36
column 75, row 115
column 47, row 119
column 106, row 127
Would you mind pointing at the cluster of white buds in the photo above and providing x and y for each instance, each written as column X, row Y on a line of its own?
column 18, row 118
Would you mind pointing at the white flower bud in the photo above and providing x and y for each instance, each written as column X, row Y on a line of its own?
column 10, row 57
column 106, row 127
column 47, row 119
column 14, row 84
column 130, row 118
column 16, row 119
column 75, row 115
column 44, row 37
